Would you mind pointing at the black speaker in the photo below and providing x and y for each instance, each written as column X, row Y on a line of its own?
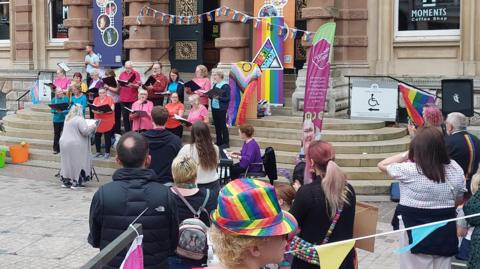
column 457, row 96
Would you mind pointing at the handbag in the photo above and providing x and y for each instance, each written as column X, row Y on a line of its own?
column 305, row 250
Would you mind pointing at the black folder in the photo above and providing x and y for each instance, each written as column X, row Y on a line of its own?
column 125, row 82
column 110, row 81
column 150, row 81
column 214, row 92
column 59, row 106
column 192, row 85
column 102, row 108
column 51, row 85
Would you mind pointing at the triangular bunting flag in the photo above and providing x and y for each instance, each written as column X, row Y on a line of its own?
column 134, row 257
column 332, row 255
column 418, row 234
column 267, row 57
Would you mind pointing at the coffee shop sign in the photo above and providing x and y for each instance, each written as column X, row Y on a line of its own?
column 429, row 12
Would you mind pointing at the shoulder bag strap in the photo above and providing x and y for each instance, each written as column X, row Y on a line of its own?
column 332, row 226
column 184, row 201
column 204, row 202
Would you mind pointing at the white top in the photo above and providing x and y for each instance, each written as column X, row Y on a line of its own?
column 416, row 190
column 203, row 176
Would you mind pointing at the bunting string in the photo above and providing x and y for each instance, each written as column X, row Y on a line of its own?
column 398, row 231
column 225, row 11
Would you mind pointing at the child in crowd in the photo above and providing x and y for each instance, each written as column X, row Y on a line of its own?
column 242, row 241
column 285, row 196
column 58, row 118
column 473, row 207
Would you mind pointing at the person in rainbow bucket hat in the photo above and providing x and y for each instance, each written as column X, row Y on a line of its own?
column 250, row 230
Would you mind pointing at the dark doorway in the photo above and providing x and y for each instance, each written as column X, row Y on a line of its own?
column 193, row 44
column 186, row 40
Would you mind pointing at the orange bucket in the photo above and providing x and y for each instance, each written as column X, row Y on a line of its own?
column 19, row 153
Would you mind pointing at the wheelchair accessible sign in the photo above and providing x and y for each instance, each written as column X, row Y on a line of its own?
column 374, row 102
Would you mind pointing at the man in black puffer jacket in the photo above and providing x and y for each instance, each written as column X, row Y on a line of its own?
column 116, row 204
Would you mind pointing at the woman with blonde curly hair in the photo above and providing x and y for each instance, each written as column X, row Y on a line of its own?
column 240, row 240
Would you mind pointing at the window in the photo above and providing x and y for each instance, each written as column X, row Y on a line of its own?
column 4, row 20
column 58, row 13
column 427, row 19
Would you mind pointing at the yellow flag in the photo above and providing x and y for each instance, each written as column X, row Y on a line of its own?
column 332, row 255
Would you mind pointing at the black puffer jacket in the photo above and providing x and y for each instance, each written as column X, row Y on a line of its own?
column 116, row 204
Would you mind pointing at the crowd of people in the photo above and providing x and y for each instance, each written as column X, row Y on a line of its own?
column 251, row 223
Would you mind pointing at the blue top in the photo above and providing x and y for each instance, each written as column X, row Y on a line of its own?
column 93, row 59
column 59, row 116
column 251, row 154
column 172, row 86
column 82, row 100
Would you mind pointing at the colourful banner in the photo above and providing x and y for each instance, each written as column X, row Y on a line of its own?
column 107, row 32
column 244, row 77
column 285, row 9
column 415, row 100
column 318, row 74
column 269, row 47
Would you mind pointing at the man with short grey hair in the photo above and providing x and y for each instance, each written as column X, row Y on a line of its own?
column 462, row 146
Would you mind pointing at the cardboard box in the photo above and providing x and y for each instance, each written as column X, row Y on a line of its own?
column 366, row 218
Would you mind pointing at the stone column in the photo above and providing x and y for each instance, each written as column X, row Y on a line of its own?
column 22, row 36
column 316, row 13
column 234, row 41
column 149, row 40
column 79, row 24
column 468, row 36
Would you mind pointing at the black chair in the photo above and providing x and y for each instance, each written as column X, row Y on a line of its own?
column 269, row 166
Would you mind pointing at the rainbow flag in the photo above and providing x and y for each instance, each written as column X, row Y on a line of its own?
column 269, row 57
column 415, row 100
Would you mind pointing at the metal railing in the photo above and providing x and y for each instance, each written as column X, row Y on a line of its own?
column 116, row 246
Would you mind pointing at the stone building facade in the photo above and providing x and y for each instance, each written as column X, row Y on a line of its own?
column 370, row 40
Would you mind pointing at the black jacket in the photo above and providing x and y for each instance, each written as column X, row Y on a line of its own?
column 164, row 147
column 224, row 99
column 116, row 204
column 311, row 211
column 458, row 149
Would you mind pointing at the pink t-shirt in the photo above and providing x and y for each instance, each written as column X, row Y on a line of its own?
column 198, row 114
column 142, row 123
column 62, row 83
column 205, row 85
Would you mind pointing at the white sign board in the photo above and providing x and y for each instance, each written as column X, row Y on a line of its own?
column 374, row 102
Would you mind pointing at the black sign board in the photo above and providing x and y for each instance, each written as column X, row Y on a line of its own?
column 414, row 15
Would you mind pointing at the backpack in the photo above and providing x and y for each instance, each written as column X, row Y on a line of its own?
column 192, row 232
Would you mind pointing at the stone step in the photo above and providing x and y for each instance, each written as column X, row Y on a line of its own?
column 387, row 146
column 28, row 114
column 385, row 133
column 295, row 122
column 361, row 187
column 40, row 108
column 343, row 160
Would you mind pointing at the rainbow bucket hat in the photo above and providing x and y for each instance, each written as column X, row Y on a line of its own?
column 250, row 207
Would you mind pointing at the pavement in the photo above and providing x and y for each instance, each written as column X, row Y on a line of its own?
column 45, row 226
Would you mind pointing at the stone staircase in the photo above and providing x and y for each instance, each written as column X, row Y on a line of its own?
column 359, row 145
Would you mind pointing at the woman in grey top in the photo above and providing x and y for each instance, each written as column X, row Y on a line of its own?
column 76, row 160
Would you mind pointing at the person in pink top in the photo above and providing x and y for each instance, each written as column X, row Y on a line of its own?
column 62, row 81
column 128, row 93
column 142, row 123
column 201, row 78
column 198, row 112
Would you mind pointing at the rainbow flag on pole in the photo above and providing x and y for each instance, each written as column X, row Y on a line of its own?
column 415, row 100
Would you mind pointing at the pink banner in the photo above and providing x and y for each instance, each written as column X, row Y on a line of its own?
column 318, row 73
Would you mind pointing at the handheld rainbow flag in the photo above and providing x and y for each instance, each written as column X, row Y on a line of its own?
column 415, row 100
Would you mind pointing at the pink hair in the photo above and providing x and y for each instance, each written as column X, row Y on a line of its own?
column 334, row 180
column 432, row 116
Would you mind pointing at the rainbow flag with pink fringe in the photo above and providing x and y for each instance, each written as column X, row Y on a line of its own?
column 270, row 53
column 243, row 82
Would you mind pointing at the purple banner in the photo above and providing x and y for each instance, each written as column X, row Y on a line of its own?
column 316, row 87
column 107, row 31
